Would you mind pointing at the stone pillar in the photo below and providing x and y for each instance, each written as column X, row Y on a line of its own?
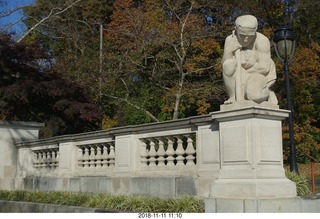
column 251, row 155
column 12, row 132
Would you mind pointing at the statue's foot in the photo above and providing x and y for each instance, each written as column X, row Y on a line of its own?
column 230, row 101
column 273, row 98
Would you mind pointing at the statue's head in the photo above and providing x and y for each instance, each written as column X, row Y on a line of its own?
column 246, row 28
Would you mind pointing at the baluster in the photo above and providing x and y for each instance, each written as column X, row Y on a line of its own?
column 99, row 156
column 190, row 151
column 180, row 152
column 152, row 153
column 144, row 153
column 105, row 156
column 39, row 154
column 80, row 157
column 161, row 153
column 57, row 158
column 112, row 156
column 86, row 158
column 52, row 159
column 48, row 159
column 43, row 159
column 92, row 156
column 170, row 152
column 35, row 160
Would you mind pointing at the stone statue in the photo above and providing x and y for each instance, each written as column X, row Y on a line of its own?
column 248, row 70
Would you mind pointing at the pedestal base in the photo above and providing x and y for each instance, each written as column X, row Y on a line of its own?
column 253, row 188
column 251, row 155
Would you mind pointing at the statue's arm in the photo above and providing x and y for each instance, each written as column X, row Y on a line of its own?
column 228, row 51
column 229, row 62
column 263, row 56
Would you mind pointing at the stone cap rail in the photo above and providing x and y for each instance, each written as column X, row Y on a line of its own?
column 109, row 134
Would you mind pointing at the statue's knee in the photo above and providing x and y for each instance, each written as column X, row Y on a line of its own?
column 256, row 89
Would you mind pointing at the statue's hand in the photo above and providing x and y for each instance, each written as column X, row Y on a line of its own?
column 248, row 63
column 235, row 44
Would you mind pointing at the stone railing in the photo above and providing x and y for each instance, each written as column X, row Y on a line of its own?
column 96, row 156
column 169, row 150
column 174, row 150
column 194, row 156
column 46, row 158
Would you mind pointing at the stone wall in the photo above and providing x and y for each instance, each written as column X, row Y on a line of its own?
column 12, row 132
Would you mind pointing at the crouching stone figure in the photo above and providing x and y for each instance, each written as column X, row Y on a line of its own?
column 248, row 70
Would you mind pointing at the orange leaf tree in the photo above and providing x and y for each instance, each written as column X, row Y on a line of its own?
column 167, row 48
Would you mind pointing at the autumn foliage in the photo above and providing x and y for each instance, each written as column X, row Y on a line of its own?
column 154, row 60
column 30, row 92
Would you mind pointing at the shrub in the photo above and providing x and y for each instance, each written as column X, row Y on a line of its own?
column 301, row 183
column 127, row 203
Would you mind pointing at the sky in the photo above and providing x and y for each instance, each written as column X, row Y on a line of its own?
column 19, row 27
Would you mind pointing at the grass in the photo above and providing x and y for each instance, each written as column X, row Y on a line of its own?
column 187, row 204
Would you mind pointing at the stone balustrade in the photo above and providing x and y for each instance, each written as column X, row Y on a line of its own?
column 169, row 151
column 121, row 160
column 96, row 156
column 46, row 158
column 195, row 156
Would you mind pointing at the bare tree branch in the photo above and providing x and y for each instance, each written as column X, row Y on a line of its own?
column 51, row 14
column 12, row 24
column 10, row 11
column 135, row 106
column 132, row 104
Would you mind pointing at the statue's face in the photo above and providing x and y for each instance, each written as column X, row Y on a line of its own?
column 246, row 36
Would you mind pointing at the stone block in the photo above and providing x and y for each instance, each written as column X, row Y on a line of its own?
column 161, row 187
column 5, row 207
column 310, row 205
column 282, row 205
column 24, row 207
column 28, row 183
column 74, row 184
column 139, row 186
column 105, row 185
column 121, row 185
column 185, row 186
column 89, row 184
column 10, row 171
column 164, row 187
column 7, row 183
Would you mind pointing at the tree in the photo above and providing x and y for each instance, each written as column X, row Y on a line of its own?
column 168, row 46
column 304, row 76
column 29, row 91
column 306, row 21
column 160, row 60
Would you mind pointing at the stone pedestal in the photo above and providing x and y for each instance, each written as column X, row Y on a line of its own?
column 251, row 155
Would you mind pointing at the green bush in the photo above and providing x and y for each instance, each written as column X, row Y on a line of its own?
column 186, row 204
column 301, row 183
